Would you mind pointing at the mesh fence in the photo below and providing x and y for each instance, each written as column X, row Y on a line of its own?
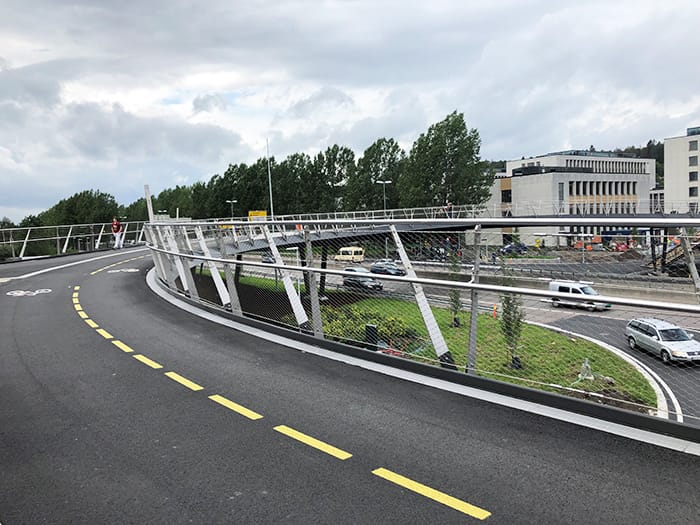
column 611, row 317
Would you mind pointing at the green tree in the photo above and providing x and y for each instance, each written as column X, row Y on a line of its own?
column 86, row 207
column 444, row 166
column 511, row 321
column 331, row 171
column 137, row 210
column 292, row 180
column 200, row 195
column 382, row 161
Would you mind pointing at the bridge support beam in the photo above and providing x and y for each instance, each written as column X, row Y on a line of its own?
column 310, row 281
column 690, row 257
column 294, row 298
column 436, row 337
column 215, row 275
column 474, row 309
column 229, row 275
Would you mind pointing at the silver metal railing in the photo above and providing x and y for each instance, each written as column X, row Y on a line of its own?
column 42, row 241
column 455, row 299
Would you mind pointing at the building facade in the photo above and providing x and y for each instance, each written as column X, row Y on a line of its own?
column 681, row 172
column 582, row 183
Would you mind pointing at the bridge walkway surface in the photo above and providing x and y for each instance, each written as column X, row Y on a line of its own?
column 117, row 406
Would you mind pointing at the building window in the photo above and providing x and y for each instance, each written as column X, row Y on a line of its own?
column 561, row 192
column 693, row 191
column 693, row 145
column 693, row 161
column 506, row 196
column 693, row 176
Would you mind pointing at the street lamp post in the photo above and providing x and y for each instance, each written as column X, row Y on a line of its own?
column 384, row 183
column 231, row 202
column 386, row 240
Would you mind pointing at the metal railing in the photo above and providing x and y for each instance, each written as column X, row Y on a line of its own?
column 440, row 293
column 42, row 241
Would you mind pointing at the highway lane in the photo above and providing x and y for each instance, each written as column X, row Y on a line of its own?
column 89, row 433
column 609, row 328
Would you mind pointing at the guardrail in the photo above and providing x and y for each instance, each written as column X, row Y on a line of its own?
column 43, row 241
column 448, row 307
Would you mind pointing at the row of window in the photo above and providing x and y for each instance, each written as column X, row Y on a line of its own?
column 693, row 160
column 608, row 166
column 603, row 208
column 598, row 187
column 692, row 145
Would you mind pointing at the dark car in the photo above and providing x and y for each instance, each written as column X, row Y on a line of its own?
column 362, row 280
column 387, row 268
column 514, row 248
column 267, row 258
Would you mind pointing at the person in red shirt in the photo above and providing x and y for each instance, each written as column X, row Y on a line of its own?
column 118, row 232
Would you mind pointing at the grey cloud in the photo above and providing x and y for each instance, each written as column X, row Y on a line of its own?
column 102, row 134
column 326, row 98
column 208, row 103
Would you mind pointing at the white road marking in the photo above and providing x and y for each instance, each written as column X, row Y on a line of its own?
column 27, row 293
column 93, row 259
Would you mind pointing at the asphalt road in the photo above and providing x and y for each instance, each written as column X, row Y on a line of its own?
column 109, row 414
column 683, row 379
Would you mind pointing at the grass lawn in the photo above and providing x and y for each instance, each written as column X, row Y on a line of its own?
column 548, row 357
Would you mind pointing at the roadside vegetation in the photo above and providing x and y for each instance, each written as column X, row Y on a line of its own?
column 548, row 359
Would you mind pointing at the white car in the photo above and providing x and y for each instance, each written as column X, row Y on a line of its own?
column 668, row 341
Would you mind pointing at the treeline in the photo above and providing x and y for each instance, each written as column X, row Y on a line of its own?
column 443, row 165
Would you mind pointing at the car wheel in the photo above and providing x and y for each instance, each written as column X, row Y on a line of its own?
column 632, row 343
column 665, row 357
column 590, row 307
column 555, row 303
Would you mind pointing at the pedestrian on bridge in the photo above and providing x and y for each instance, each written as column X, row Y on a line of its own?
column 118, row 232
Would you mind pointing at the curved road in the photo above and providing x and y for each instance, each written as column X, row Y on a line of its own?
column 117, row 407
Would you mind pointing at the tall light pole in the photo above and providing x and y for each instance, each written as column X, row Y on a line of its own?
column 386, row 240
column 269, row 178
column 384, row 183
column 231, row 202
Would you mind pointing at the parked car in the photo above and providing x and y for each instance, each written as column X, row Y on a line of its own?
column 514, row 248
column 668, row 341
column 267, row 258
column 387, row 267
column 363, row 279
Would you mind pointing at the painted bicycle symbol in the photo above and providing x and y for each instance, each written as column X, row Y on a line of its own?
column 28, row 293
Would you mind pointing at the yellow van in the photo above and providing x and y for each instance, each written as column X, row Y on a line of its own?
column 351, row 254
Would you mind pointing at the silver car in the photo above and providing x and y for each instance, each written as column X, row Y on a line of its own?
column 668, row 341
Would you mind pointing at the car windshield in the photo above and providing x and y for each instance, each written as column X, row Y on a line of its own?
column 588, row 290
column 674, row 334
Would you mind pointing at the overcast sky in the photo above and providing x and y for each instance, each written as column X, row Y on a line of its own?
column 112, row 95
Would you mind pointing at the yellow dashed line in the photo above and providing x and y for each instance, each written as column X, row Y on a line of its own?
column 104, row 333
column 78, row 307
column 235, row 407
column 76, row 300
column 91, row 323
column 76, row 288
column 313, row 442
column 184, row 381
column 122, row 346
column 435, row 495
column 146, row 361
column 75, row 295
column 83, row 315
